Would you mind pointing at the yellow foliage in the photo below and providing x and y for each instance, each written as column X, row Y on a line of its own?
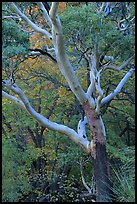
column 65, row 97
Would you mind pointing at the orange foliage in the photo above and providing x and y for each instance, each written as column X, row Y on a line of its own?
column 37, row 41
column 49, row 87
column 62, row 7
column 39, row 19
column 29, row 140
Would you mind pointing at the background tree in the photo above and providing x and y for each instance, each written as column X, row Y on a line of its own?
column 90, row 42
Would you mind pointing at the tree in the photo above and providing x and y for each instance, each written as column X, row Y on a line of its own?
column 91, row 100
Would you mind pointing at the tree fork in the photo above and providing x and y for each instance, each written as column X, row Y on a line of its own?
column 98, row 152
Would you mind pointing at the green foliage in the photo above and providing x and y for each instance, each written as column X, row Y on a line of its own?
column 15, row 180
column 124, row 178
column 15, row 41
column 121, row 154
column 20, row 176
column 18, row 117
column 111, row 40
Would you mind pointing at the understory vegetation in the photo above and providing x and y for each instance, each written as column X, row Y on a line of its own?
column 41, row 165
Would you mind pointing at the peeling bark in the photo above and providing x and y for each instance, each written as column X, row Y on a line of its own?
column 98, row 152
column 90, row 102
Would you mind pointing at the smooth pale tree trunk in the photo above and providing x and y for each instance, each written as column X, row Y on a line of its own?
column 97, row 146
column 98, row 152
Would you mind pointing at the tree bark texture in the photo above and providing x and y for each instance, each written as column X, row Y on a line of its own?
column 98, row 152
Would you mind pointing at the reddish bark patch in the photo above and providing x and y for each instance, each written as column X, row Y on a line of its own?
column 95, row 124
column 98, row 152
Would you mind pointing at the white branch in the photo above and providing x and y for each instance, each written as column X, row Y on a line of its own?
column 119, row 68
column 121, row 22
column 83, row 180
column 85, row 185
column 30, row 23
column 81, row 127
column 40, row 118
column 103, row 127
column 108, row 58
column 101, row 8
column 62, row 58
column 100, row 92
column 35, row 53
column 97, row 84
column 50, row 49
column 124, row 20
column 13, row 17
column 91, row 89
column 49, row 22
column 118, row 88
column 13, row 98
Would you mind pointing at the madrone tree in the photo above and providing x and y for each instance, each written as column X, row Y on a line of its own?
column 91, row 100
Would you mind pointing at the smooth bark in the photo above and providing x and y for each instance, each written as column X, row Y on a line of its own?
column 90, row 102
column 98, row 152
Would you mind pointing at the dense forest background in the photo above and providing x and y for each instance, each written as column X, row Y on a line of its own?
column 37, row 163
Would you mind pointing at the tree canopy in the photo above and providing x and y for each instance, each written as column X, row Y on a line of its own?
column 52, row 79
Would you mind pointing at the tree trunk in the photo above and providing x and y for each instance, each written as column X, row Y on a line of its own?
column 98, row 152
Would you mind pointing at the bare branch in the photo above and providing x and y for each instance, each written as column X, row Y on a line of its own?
column 35, row 53
column 43, row 52
column 83, row 180
column 81, row 127
column 119, row 68
column 30, row 23
column 99, row 90
column 118, row 88
column 13, row 17
column 62, row 58
column 40, row 118
column 91, row 89
column 13, row 98
column 101, row 8
column 94, row 82
column 125, row 23
column 42, row 7
column 92, row 67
